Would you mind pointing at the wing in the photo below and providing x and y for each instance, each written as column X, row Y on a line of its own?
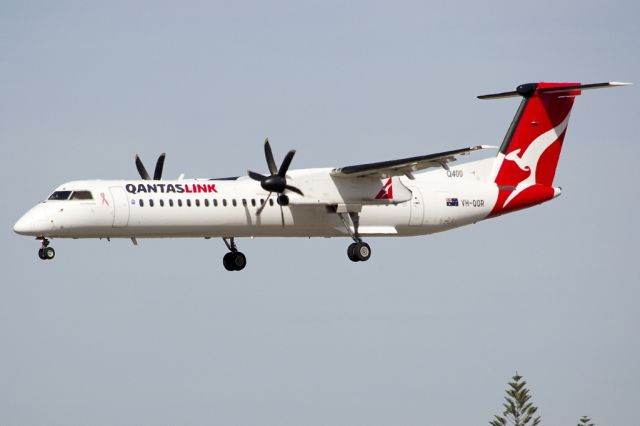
column 405, row 166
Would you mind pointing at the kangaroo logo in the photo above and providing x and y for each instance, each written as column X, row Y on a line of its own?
column 528, row 161
column 386, row 193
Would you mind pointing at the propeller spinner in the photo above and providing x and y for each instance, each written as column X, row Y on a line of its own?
column 276, row 181
column 157, row 173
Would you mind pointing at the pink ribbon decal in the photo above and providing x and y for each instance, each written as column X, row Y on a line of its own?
column 104, row 199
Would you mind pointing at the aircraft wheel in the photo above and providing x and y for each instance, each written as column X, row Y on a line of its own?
column 362, row 251
column 48, row 252
column 283, row 200
column 41, row 254
column 351, row 252
column 227, row 261
column 234, row 261
column 239, row 261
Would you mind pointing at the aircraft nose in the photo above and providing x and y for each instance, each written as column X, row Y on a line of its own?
column 30, row 224
column 22, row 226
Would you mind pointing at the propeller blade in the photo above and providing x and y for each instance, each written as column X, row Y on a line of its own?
column 282, row 215
column 256, row 176
column 143, row 172
column 294, row 189
column 263, row 204
column 157, row 174
column 269, row 156
column 286, row 163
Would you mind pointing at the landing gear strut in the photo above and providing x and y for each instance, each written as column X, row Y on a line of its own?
column 234, row 260
column 45, row 252
column 358, row 251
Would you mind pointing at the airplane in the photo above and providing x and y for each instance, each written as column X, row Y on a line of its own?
column 380, row 199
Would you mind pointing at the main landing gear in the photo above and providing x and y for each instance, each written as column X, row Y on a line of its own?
column 358, row 251
column 45, row 252
column 234, row 260
column 283, row 200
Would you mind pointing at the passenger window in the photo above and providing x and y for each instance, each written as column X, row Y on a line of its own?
column 244, row 202
column 141, row 202
column 253, row 202
column 179, row 203
column 170, row 202
column 81, row 195
column 234, row 202
column 271, row 201
column 150, row 203
column 215, row 203
column 60, row 195
column 224, row 202
column 188, row 202
column 206, row 202
column 197, row 202
column 161, row 202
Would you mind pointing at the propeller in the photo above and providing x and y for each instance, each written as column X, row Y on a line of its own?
column 157, row 173
column 276, row 181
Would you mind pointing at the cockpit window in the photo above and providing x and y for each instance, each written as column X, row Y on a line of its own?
column 60, row 195
column 81, row 195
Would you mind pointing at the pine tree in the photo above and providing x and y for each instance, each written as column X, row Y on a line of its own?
column 585, row 421
column 518, row 410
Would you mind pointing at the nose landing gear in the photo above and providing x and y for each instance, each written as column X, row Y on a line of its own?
column 234, row 260
column 45, row 252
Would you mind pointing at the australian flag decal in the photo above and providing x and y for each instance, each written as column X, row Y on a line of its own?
column 452, row 202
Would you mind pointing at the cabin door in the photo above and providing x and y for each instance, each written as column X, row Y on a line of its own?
column 417, row 207
column 120, row 207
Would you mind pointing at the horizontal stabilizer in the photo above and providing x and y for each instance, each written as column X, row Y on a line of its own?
column 527, row 90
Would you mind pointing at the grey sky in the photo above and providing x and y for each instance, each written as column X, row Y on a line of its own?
column 428, row 331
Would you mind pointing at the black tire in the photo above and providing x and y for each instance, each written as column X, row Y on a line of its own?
column 362, row 252
column 239, row 261
column 227, row 261
column 351, row 252
column 283, row 200
column 41, row 254
column 49, row 253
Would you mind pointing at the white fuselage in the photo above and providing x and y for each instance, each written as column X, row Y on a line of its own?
column 437, row 200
